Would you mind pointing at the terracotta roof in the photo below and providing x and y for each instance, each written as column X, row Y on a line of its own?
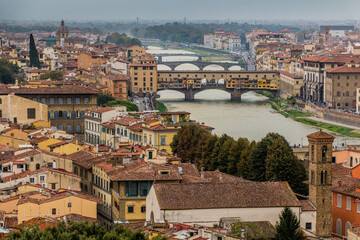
column 320, row 135
column 68, row 89
column 344, row 69
column 306, row 205
column 83, row 158
column 58, row 144
column 10, row 222
column 289, row 74
column 103, row 110
column 126, row 120
column 142, row 171
column 225, row 195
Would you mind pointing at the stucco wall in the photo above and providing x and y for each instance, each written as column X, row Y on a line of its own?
column 308, row 216
column 209, row 217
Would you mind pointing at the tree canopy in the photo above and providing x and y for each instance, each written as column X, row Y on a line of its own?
column 8, row 71
column 289, row 226
column 270, row 159
column 52, row 75
column 78, row 230
column 130, row 107
column 122, row 40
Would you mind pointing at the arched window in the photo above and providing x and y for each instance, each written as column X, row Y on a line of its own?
column 356, row 161
column 312, row 152
column 73, row 114
column 323, row 153
column 325, row 177
column 0, row 113
column 77, row 128
column 65, row 113
column 37, row 166
column 61, row 127
column 322, row 177
column 338, row 227
column 351, row 161
column 60, row 114
column 347, row 226
column 69, row 128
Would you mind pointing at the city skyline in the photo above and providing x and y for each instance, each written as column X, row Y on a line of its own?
column 275, row 10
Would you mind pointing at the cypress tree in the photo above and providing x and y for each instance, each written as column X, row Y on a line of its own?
column 257, row 163
column 289, row 226
column 283, row 165
column 34, row 55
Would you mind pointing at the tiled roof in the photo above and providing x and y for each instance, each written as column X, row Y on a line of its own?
column 344, row 69
column 103, row 110
column 320, row 135
column 50, row 90
column 306, row 205
column 83, row 158
column 225, row 195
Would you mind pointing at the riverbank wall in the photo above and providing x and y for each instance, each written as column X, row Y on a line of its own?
column 332, row 115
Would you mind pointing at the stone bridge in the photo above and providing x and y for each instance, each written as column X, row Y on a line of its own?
column 191, row 92
column 201, row 65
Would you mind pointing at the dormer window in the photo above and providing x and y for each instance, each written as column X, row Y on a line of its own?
column 164, row 172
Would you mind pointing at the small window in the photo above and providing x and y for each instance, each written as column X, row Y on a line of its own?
column 52, row 101
column 358, row 207
column 31, row 113
column 53, row 186
column 32, row 180
column 143, row 209
column 43, row 100
column 53, row 211
column 69, row 204
column 77, row 100
column 68, row 100
column 130, row 209
column 339, row 200
column 348, row 203
column 308, row 226
column 60, row 100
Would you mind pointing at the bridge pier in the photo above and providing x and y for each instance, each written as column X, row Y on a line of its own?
column 159, row 58
column 189, row 95
column 236, row 95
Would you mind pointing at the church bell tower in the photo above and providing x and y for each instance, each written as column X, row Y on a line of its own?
column 320, row 170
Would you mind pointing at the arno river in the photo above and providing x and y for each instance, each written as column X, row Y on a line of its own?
column 251, row 118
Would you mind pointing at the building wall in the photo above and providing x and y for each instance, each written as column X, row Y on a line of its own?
column 143, row 78
column 308, row 217
column 88, row 61
column 79, row 206
column 74, row 118
column 59, row 179
column 209, row 217
column 346, row 215
column 14, row 107
column 12, row 141
column 340, row 90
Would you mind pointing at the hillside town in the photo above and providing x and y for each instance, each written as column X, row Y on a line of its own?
column 81, row 137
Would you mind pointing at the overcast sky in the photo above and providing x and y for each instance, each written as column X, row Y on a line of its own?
column 178, row 9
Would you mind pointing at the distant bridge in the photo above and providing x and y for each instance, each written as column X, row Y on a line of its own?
column 201, row 65
column 190, row 87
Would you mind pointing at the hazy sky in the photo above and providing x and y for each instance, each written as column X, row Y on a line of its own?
column 178, row 9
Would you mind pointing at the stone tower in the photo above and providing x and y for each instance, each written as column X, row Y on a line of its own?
column 62, row 34
column 320, row 170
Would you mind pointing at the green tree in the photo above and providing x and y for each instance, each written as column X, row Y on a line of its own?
column 79, row 230
column 103, row 99
column 283, row 165
column 189, row 142
column 251, row 231
column 289, row 226
column 34, row 55
column 243, row 165
column 257, row 163
column 130, row 107
column 122, row 40
column 53, row 75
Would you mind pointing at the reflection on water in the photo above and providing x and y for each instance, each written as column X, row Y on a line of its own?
column 252, row 118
